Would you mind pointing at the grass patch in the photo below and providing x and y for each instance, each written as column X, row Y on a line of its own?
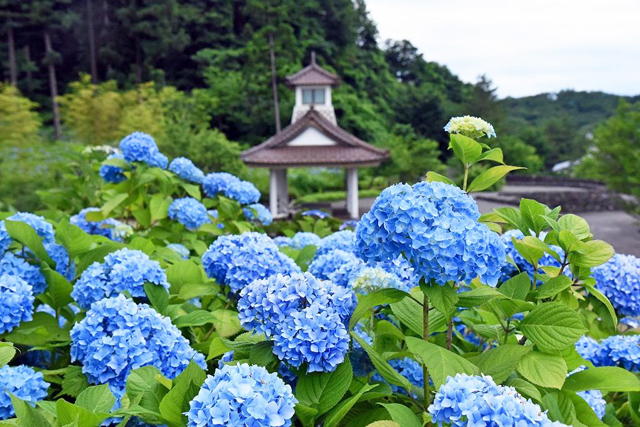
column 334, row 196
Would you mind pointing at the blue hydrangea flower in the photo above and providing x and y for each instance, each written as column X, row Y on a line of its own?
column 111, row 173
column 218, row 183
column 237, row 260
column 242, row 395
column 16, row 302
column 38, row 223
column 466, row 400
column 122, row 270
column 244, row 192
column 346, row 272
column 619, row 350
column 402, row 269
column 352, row 223
column 435, row 226
column 109, row 228
column 408, row 368
column 343, row 240
column 117, row 336
column 360, row 361
column 139, row 147
column 619, row 280
column 181, row 250
column 158, row 160
column 185, row 169
column 631, row 322
column 303, row 238
column 59, row 255
column 317, row 213
column 304, row 316
column 466, row 332
column 369, row 279
column 595, row 400
column 587, row 347
column 258, row 212
column 24, row 383
column 325, row 264
column 5, row 239
column 282, row 241
column 189, row 212
column 13, row 265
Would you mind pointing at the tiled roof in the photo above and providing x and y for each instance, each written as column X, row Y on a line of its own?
column 348, row 151
column 313, row 75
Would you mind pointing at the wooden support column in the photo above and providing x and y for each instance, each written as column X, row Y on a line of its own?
column 352, row 193
column 273, row 192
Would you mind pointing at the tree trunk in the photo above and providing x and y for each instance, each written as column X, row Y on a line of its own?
column 106, row 22
column 92, row 43
column 27, row 56
column 53, row 85
column 13, row 69
column 138, row 61
column 274, row 83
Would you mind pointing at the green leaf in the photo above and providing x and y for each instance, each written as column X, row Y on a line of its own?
column 384, row 423
column 552, row 326
column 58, row 288
column 525, row 388
column 441, row 362
column 553, row 287
column 500, row 362
column 385, row 370
column 305, row 256
column 96, row 399
column 158, row 296
column 74, row 381
column 226, row 322
column 7, row 351
column 543, row 369
column 560, row 408
column 477, row 296
column 184, row 273
column 323, row 390
column 335, row 415
column 489, row 177
column 603, row 299
column 436, row 177
column 217, row 348
column 159, row 206
column 192, row 190
column 584, row 412
column 42, row 330
column 70, row 414
column 465, row 149
column 576, row 225
column 73, row 238
column 306, row 415
column 27, row 415
column 111, row 205
column 443, row 298
column 27, row 236
column 533, row 214
column 195, row 318
column 604, row 379
column 261, row 354
column 145, row 388
column 410, row 313
column 97, row 255
column 185, row 387
column 511, row 215
column 402, row 414
column 380, row 297
column 517, row 287
column 591, row 254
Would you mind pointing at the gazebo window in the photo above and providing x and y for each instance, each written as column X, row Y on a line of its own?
column 312, row 96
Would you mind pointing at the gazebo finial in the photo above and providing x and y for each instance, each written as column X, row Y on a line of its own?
column 313, row 57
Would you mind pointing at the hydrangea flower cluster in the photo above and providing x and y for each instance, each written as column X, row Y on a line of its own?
column 619, row 280
column 369, row 279
column 231, row 186
column 258, row 212
column 473, row 127
column 509, row 270
column 323, row 265
column 435, row 226
column 16, row 302
column 189, row 212
column 343, row 240
column 141, row 147
column 408, row 368
column 466, row 400
column 304, row 238
column 304, row 316
column 110, row 228
column 59, row 255
column 282, row 241
column 237, row 260
column 38, row 223
column 13, row 265
column 122, row 270
column 185, row 169
column 111, row 173
column 401, row 268
column 616, row 350
column 181, row 250
column 346, row 272
column 316, row 213
column 5, row 239
column 242, row 395
column 352, row 223
column 24, row 383
column 118, row 336
column 359, row 358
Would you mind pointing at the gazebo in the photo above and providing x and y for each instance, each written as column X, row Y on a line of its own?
column 313, row 139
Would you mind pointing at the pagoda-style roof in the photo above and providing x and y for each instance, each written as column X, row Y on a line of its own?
column 347, row 150
column 312, row 75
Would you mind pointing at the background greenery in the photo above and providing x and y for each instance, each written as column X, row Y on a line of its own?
column 196, row 75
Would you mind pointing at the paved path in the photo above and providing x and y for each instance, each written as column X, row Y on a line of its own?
column 618, row 228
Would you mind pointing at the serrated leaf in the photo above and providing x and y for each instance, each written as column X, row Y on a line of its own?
column 517, row 287
column 385, row 370
column 500, row 362
column 335, row 415
column 195, row 318
column 436, row 177
column 443, row 298
column 603, row 299
column 27, row 415
column 591, row 254
column 489, row 177
column 525, row 388
column 478, row 296
column 604, row 378
column 402, row 414
column 74, row 381
column 7, row 351
column 553, row 287
column 323, row 390
column 465, row 149
column 552, row 326
column 373, row 299
column 441, row 362
column 158, row 296
column 543, row 369
column 96, row 399
column 576, row 225
column 27, row 236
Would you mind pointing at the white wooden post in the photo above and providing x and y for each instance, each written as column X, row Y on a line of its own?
column 273, row 192
column 283, row 191
column 352, row 193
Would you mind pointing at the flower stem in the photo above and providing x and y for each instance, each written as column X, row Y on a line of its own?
column 425, row 371
column 466, row 177
column 449, row 333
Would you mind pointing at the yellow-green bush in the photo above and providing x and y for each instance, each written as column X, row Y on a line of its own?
column 19, row 123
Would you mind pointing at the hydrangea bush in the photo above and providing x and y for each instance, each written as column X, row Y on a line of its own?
column 428, row 313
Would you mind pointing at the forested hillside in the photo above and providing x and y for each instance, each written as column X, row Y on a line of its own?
column 216, row 54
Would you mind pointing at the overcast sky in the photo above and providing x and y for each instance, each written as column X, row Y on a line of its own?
column 526, row 47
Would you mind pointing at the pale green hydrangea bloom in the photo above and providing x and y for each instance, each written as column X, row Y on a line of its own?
column 473, row 127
